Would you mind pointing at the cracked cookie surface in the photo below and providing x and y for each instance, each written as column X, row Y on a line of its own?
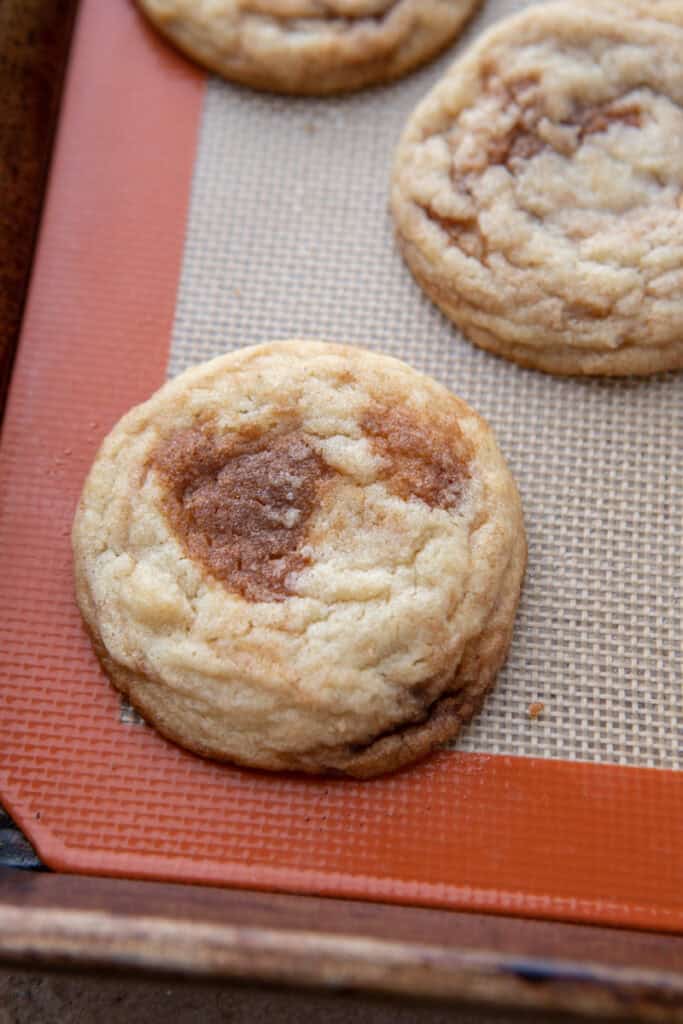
column 301, row 556
column 310, row 47
column 538, row 189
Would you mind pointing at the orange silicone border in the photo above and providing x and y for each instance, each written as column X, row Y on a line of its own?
column 532, row 837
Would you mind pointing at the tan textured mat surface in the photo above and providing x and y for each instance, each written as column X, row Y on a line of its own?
column 289, row 235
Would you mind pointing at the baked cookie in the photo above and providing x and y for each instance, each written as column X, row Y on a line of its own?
column 301, row 556
column 538, row 189
column 665, row 10
column 310, row 47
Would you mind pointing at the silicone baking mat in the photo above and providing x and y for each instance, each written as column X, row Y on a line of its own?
column 186, row 217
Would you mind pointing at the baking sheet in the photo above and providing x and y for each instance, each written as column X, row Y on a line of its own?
column 200, row 217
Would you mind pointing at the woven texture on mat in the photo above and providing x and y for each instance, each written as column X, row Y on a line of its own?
column 289, row 235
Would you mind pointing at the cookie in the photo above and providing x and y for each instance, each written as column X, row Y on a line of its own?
column 665, row 10
column 538, row 189
column 310, row 47
column 301, row 556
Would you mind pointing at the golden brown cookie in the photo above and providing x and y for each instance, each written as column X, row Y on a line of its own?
column 665, row 10
column 538, row 189
column 301, row 556
column 310, row 47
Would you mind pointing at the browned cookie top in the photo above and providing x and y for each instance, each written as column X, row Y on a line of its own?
column 310, row 46
column 538, row 190
column 293, row 555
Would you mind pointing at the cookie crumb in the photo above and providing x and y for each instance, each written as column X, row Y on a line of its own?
column 536, row 709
